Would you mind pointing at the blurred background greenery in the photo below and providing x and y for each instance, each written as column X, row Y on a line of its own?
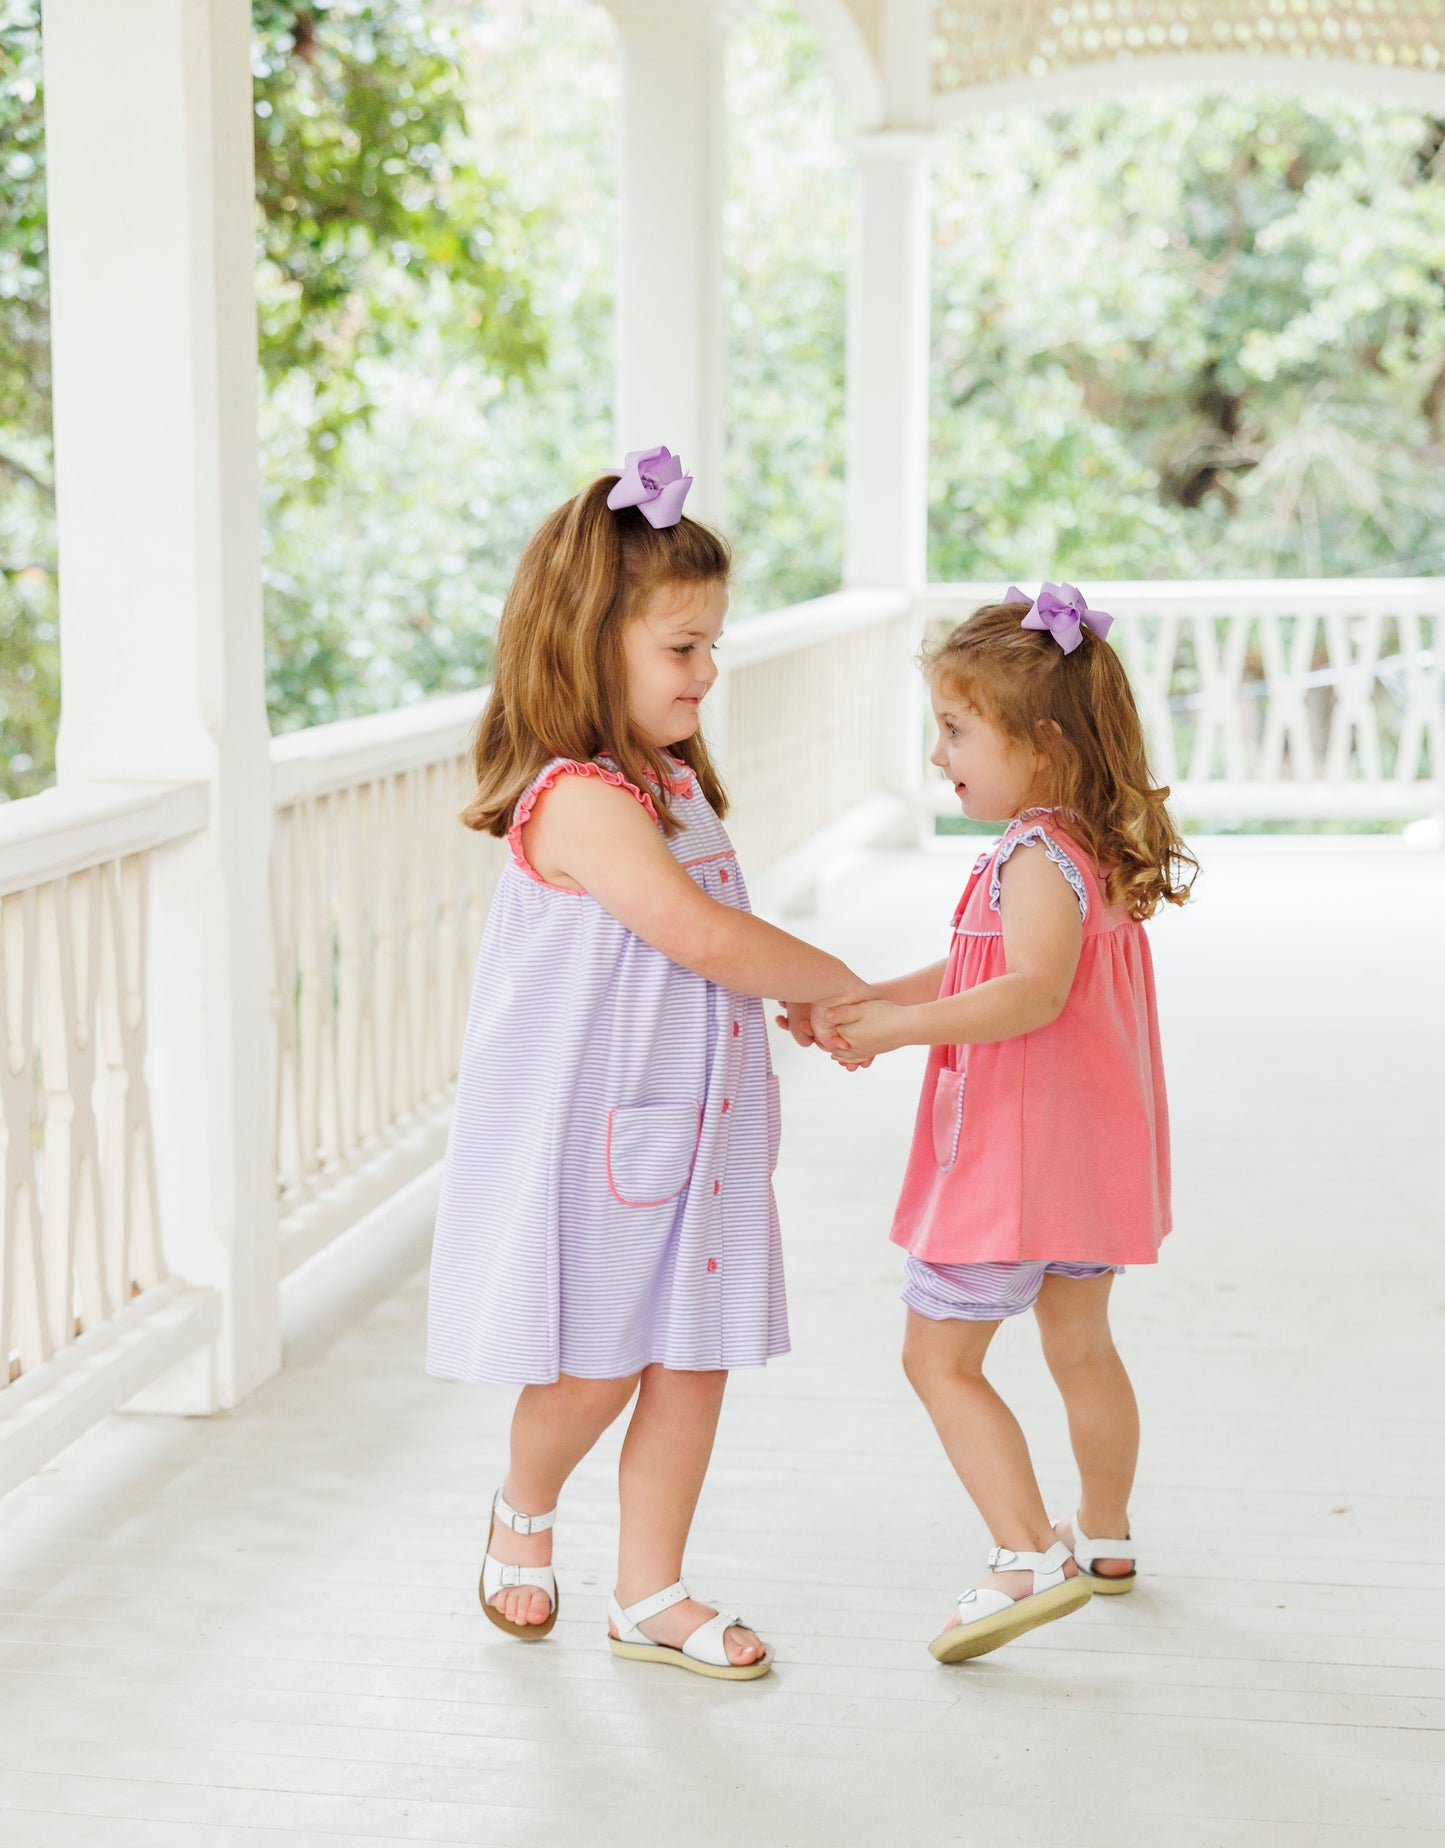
column 1176, row 336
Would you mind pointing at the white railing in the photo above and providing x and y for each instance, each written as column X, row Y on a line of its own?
column 378, row 900
column 811, row 717
column 1296, row 700
column 82, row 1266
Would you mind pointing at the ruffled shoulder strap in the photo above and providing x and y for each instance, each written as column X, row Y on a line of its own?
column 1035, row 828
column 537, row 788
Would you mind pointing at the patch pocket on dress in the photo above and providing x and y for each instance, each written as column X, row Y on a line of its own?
column 651, row 1149
column 947, row 1115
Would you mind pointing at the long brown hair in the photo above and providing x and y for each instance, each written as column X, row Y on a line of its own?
column 1078, row 712
column 560, row 684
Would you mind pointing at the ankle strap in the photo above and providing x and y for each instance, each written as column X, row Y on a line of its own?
column 645, row 1608
column 1003, row 1559
column 521, row 1523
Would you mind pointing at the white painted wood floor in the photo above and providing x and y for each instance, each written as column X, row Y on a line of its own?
column 263, row 1628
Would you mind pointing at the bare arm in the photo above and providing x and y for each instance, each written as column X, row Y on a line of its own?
column 913, row 990
column 1042, row 939
column 592, row 837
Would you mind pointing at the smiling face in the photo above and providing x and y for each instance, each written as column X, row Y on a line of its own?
column 668, row 649
column 993, row 776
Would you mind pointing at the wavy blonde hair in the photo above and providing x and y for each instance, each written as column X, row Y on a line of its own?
column 560, row 683
column 1077, row 710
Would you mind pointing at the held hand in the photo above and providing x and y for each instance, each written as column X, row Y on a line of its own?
column 797, row 1018
column 824, row 1036
column 865, row 1028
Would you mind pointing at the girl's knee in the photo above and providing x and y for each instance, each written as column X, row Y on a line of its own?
column 939, row 1355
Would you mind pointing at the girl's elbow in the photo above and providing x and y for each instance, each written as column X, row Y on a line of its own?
column 1050, row 1000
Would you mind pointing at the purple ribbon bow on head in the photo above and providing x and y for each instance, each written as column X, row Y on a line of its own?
column 1061, row 609
column 652, row 481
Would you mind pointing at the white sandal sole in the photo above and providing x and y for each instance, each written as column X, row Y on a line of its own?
column 674, row 1658
column 966, row 1640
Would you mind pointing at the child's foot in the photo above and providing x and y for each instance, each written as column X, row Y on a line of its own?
column 523, row 1605
column 1103, row 1568
column 673, row 1626
column 1021, row 1591
column 1013, row 1585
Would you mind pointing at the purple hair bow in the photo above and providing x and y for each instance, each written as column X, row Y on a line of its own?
column 652, row 481
column 1061, row 609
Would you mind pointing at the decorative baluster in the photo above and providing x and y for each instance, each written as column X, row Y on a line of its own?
column 1286, row 739
column 67, row 967
column 328, row 1125
column 418, row 895
column 22, row 1274
column 1354, row 737
column 369, row 1118
column 1422, row 724
column 388, row 906
column 132, row 1219
column 350, row 980
column 308, row 976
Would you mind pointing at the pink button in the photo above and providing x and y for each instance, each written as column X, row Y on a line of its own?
column 727, row 1105
column 717, row 1187
column 736, row 1029
column 723, row 874
column 712, row 1264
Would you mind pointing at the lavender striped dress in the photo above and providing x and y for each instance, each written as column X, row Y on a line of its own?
column 607, row 1195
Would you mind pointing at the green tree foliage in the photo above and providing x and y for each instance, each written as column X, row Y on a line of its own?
column 373, row 221
column 1229, row 361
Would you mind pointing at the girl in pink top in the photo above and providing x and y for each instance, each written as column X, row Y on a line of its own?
column 1040, row 1159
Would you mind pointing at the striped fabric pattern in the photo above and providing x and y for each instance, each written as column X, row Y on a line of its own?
column 607, row 1197
column 983, row 1292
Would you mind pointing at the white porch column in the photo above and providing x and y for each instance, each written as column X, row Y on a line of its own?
column 888, row 361
column 152, row 213
column 669, row 281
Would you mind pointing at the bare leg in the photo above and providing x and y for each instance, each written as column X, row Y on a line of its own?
column 553, row 1428
column 1073, row 1317
column 944, row 1363
column 664, row 1460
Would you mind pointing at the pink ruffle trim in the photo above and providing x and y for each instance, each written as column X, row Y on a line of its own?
column 544, row 783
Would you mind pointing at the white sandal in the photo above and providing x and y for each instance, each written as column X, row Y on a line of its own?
column 988, row 1619
column 499, row 1577
column 1086, row 1551
column 704, row 1652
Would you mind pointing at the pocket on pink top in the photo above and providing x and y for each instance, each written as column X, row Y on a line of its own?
column 651, row 1149
column 947, row 1115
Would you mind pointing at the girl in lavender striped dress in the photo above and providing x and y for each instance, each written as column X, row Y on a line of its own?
column 607, row 1225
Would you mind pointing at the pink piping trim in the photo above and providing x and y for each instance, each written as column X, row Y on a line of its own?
column 684, row 784
column 612, row 1185
column 706, row 858
column 529, row 801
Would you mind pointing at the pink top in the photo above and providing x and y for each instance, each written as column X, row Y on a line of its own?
column 1052, row 1146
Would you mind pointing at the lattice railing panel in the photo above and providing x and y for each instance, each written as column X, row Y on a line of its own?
column 379, row 897
column 987, row 41
column 1325, row 698
column 81, row 1223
